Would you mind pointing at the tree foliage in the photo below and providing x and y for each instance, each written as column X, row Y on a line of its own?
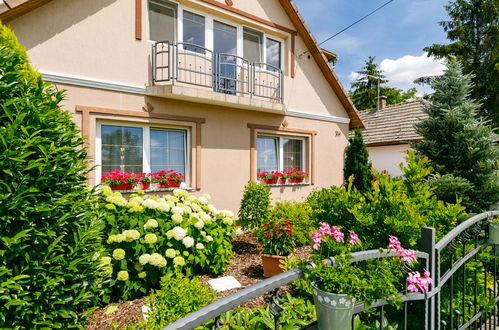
column 49, row 236
column 458, row 143
column 255, row 206
column 473, row 31
column 357, row 163
column 365, row 89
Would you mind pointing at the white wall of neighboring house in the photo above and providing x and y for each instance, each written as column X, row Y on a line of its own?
column 387, row 158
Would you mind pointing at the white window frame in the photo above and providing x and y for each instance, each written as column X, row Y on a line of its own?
column 280, row 156
column 146, row 145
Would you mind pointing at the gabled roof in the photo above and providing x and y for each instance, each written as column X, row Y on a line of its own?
column 393, row 124
column 11, row 9
column 320, row 58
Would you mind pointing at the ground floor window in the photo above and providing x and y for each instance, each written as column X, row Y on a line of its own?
column 277, row 153
column 142, row 148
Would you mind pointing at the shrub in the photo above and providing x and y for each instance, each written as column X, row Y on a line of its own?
column 255, row 206
column 50, row 236
column 178, row 297
column 150, row 237
column 298, row 214
column 394, row 206
column 357, row 163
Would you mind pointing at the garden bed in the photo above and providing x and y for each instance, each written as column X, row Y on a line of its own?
column 245, row 267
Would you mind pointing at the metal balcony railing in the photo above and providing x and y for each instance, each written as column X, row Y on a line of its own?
column 224, row 73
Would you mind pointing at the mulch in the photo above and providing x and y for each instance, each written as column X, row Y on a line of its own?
column 245, row 267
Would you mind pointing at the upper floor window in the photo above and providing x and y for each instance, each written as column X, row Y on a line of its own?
column 193, row 26
column 273, row 52
column 162, row 21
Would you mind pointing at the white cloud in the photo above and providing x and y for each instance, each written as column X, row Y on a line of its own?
column 353, row 76
column 401, row 72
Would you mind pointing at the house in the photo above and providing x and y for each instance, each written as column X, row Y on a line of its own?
column 218, row 90
column 389, row 131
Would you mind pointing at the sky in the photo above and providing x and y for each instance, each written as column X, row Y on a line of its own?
column 395, row 35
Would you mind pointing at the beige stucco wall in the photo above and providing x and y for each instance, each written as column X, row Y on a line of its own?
column 225, row 154
column 387, row 158
column 95, row 39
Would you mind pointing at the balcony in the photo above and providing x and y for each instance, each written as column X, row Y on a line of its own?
column 194, row 73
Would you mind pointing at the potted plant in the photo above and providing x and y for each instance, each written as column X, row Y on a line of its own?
column 161, row 177
column 118, row 180
column 276, row 238
column 282, row 177
column 145, row 180
column 494, row 230
column 268, row 177
column 175, row 179
column 296, row 176
column 338, row 284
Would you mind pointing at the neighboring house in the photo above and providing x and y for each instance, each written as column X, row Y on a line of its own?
column 388, row 132
column 216, row 89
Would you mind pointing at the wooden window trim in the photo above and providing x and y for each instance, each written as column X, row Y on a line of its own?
column 278, row 130
column 85, row 127
column 138, row 19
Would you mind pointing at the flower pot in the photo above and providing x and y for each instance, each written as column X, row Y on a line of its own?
column 270, row 181
column 163, row 185
column 125, row 186
column 334, row 311
column 172, row 184
column 282, row 181
column 146, row 185
column 295, row 180
column 493, row 232
column 272, row 264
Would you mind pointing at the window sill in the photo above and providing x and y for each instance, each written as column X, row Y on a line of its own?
column 153, row 190
column 288, row 184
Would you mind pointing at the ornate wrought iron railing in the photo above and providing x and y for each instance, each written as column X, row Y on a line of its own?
column 224, row 73
column 471, row 235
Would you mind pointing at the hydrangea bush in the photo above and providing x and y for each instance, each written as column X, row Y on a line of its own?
column 149, row 237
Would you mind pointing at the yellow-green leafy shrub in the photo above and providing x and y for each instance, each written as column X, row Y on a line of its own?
column 149, row 237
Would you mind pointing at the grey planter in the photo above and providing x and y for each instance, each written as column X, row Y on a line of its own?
column 493, row 232
column 334, row 311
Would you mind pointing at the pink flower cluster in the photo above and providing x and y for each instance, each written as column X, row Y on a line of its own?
column 326, row 230
column 407, row 255
column 419, row 282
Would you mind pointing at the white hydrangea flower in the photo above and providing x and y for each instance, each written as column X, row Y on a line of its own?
column 194, row 215
column 131, row 235
column 170, row 253
column 205, row 217
column 163, row 206
column 116, row 199
column 144, row 259
column 179, row 233
column 136, row 199
column 202, row 200
column 207, row 196
column 177, row 218
column 227, row 213
column 151, row 223
column 199, row 225
column 196, row 208
column 209, row 238
column 188, row 203
column 199, row 246
column 228, row 221
column 191, row 198
column 178, row 210
column 188, row 241
column 150, row 238
column 150, row 204
column 162, row 263
column 155, row 259
column 171, row 204
column 213, row 209
column 187, row 210
column 203, row 233
column 180, row 193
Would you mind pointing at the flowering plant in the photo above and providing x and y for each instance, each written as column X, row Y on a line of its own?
column 367, row 280
column 116, row 178
column 270, row 176
column 176, row 177
column 293, row 173
column 162, row 176
column 145, row 178
column 276, row 238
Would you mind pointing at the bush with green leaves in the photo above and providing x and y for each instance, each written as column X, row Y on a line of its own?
column 298, row 214
column 50, row 234
column 255, row 206
column 394, row 206
column 150, row 237
column 178, row 297
column 357, row 163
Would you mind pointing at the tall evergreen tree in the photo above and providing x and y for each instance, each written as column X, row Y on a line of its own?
column 474, row 34
column 357, row 163
column 364, row 90
column 460, row 146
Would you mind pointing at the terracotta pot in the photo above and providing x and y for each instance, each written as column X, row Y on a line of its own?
column 272, row 264
column 125, row 186
column 295, row 180
column 282, row 181
column 172, row 184
column 146, row 185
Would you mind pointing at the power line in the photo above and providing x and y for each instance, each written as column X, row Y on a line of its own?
column 357, row 21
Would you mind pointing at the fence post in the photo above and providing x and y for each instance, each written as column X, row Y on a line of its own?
column 428, row 246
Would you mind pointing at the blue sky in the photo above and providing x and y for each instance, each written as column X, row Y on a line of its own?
column 396, row 35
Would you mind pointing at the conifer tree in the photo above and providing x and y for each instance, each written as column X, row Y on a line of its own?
column 460, row 146
column 357, row 163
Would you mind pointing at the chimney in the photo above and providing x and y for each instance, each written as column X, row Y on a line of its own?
column 381, row 102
